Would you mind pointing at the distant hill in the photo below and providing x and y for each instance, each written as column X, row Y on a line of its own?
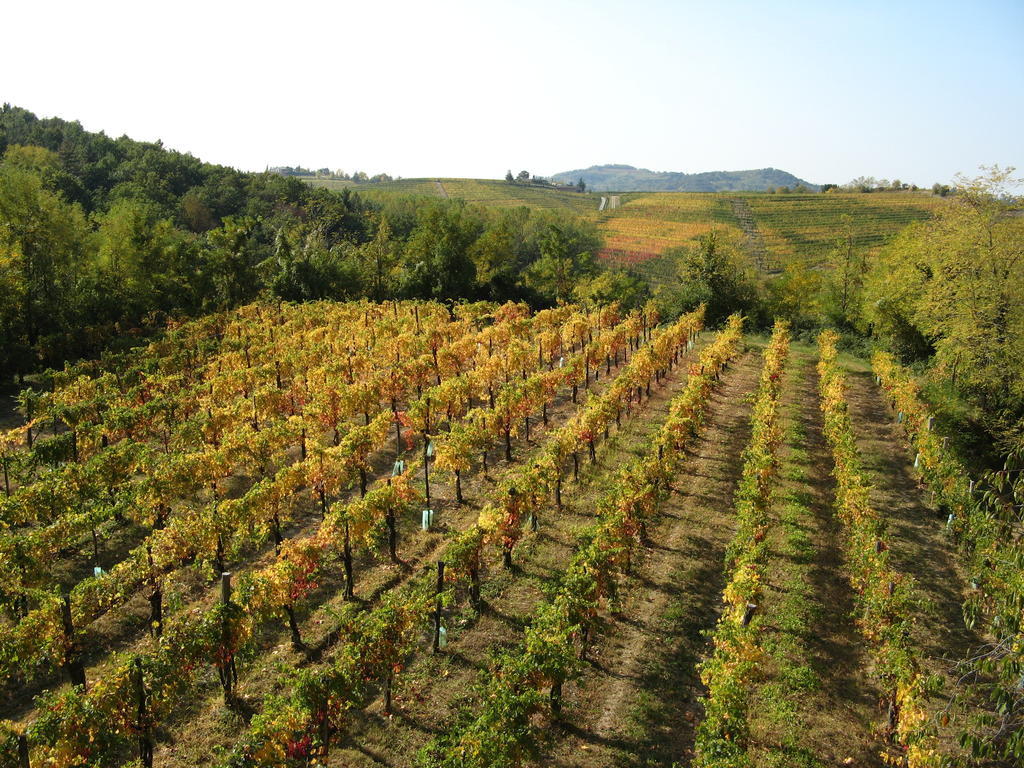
column 626, row 178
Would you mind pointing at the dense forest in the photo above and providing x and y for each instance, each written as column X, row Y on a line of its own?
column 101, row 240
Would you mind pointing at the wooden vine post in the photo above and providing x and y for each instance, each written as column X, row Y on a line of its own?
column 426, row 454
column 156, row 623
column 389, row 518
column 72, row 663
column 142, row 723
column 226, row 668
column 437, row 605
column 346, row 556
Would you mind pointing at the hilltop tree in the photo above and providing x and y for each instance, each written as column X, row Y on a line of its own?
column 523, row 177
column 509, row 177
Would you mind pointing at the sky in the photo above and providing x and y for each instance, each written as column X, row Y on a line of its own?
column 826, row 90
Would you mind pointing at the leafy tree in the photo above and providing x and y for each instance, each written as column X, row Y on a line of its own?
column 523, row 177
column 378, row 257
column 795, row 296
column 509, row 177
column 623, row 286
column 711, row 272
column 436, row 259
column 581, row 185
column 494, row 255
column 43, row 243
column 566, row 258
column 845, row 284
column 231, row 258
column 312, row 272
column 955, row 283
column 137, row 255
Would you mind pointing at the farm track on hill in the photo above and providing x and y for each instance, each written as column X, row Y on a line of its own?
column 754, row 241
column 644, row 664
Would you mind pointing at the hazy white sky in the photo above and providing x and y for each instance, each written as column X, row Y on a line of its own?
column 826, row 90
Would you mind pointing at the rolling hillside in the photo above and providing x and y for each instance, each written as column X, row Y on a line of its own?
column 626, row 178
column 479, row 191
column 775, row 228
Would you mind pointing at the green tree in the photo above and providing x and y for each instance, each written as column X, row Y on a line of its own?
column 796, row 296
column 623, row 286
column 846, row 280
column 712, row 272
column 378, row 257
column 956, row 282
column 566, row 258
column 436, row 258
column 43, row 247
column 312, row 272
column 231, row 257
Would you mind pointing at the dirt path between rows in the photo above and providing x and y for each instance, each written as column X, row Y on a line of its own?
column 917, row 535
column 816, row 705
column 636, row 704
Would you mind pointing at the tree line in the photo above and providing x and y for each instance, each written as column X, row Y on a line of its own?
column 102, row 240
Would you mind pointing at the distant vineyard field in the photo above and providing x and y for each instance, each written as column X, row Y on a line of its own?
column 646, row 225
column 777, row 229
column 806, row 226
column 489, row 192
